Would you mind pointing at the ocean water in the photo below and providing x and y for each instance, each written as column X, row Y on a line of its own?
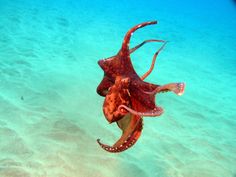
column 51, row 115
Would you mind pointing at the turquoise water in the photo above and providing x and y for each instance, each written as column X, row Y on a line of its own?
column 51, row 116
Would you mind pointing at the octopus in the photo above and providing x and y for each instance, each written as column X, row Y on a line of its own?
column 128, row 98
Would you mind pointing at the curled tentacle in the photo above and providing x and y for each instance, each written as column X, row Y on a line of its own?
column 125, row 45
column 125, row 142
column 157, row 111
column 177, row 88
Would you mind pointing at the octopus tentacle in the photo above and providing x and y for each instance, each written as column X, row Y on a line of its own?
column 144, row 42
column 177, row 88
column 157, row 111
column 153, row 62
column 125, row 45
column 129, row 142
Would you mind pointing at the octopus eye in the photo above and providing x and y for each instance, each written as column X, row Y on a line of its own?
column 122, row 110
column 125, row 80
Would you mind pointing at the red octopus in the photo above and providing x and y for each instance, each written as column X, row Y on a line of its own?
column 128, row 98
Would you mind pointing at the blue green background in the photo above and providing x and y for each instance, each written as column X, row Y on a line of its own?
column 51, row 116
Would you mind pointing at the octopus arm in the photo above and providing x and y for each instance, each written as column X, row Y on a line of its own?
column 130, row 134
